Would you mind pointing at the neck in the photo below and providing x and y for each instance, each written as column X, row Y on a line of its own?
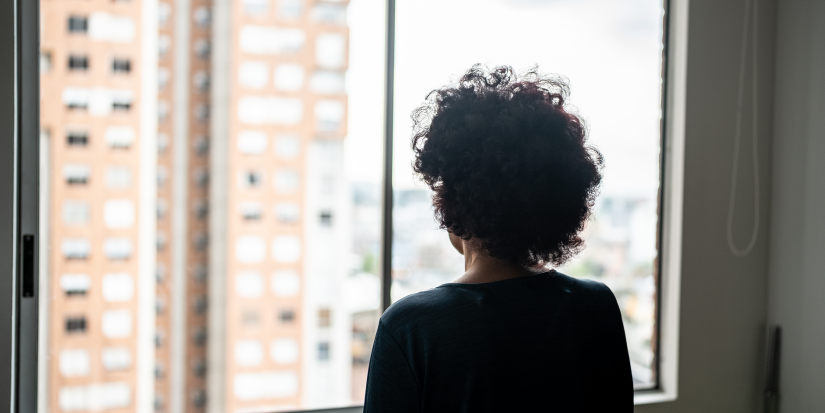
column 480, row 267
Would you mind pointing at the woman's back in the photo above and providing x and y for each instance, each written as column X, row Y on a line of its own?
column 545, row 342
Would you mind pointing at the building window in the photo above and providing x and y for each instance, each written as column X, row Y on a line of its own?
column 252, row 142
column 201, row 304
column 164, row 12
column 161, row 175
column 75, row 248
column 116, row 323
column 202, row 112
column 289, row 77
column 121, row 102
column 78, row 24
column 119, row 213
column 201, row 80
column 286, row 316
column 77, row 138
column 287, row 212
column 254, row 75
column 117, row 287
column 288, row 146
column 325, row 13
column 323, row 351
column 161, row 207
column 118, row 177
column 76, row 174
column 202, row 16
column 164, row 42
column 325, row 218
column 330, row 50
column 324, row 317
column 286, row 283
column 116, row 358
column 199, row 336
column 199, row 273
column 160, row 272
column 78, row 63
column 75, row 284
column 327, row 82
column 74, row 363
column 76, row 325
column 117, row 248
column 162, row 142
column 250, row 249
column 255, row 7
column 249, row 284
column 200, row 176
column 160, row 338
column 284, row 351
column 121, row 65
column 75, row 212
column 249, row 352
column 76, row 98
column 251, row 211
column 200, row 241
column 287, row 181
column 199, row 367
column 45, row 62
column 201, row 145
column 286, row 249
column 119, row 137
column 163, row 78
column 203, row 48
column 200, row 208
column 160, row 241
column 160, row 305
column 290, row 9
column 251, row 179
column 329, row 114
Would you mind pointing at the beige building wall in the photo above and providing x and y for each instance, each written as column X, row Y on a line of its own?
column 285, row 61
column 95, row 118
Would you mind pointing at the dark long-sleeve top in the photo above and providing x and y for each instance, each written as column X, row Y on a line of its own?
column 546, row 342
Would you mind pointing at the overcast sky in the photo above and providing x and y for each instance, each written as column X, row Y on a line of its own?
column 610, row 50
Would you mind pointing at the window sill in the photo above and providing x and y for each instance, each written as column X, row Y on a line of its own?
column 653, row 396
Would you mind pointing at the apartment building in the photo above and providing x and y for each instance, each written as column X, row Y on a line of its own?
column 279, row 331
column 98, row 118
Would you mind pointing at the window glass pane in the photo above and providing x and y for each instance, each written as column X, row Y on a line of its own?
column 611, row 52
column 151, row 214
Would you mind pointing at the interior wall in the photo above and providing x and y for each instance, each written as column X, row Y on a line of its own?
column 723, row 312
column 797, row 253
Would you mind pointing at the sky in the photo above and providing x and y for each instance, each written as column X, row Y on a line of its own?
column 609, row 50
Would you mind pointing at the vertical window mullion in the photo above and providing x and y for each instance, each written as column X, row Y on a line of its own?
column 387, row 192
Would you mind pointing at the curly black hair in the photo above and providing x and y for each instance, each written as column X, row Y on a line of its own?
column 508, row 164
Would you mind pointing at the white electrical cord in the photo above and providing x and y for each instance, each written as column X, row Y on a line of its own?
column 731, row 206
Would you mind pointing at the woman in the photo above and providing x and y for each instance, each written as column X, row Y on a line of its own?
column 514, row 183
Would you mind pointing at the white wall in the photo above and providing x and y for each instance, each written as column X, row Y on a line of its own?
column 722, row 312
column 797, row 253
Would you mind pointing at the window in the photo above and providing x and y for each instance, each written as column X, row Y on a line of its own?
column 250, row 179
column 252, row 142
column 325, row 219
column 323, row 351
column 75, row 213
column 45, row 62
column 330, row 13
column 78, row 63
column 75, row 284
column 75, row 248
column 265, row 154
column 324, row 318
column 77, row 138
column 286, row 316
column 253, row 75
column 78, row 24
column 202, row 16
column 74, row 363
column 118, row 177
column 76, row 325
column 119, row 137
column 251, row 211
column 284, row 351
column 121, row 65
column 76, row 174
column 255, row 7
column 117, row 248
column 116, row 358
column 289, row 77
column 290, row 9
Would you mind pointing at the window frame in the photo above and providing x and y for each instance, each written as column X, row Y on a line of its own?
column 20, row 214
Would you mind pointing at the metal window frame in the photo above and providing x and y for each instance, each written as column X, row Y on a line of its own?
column 20, row 218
